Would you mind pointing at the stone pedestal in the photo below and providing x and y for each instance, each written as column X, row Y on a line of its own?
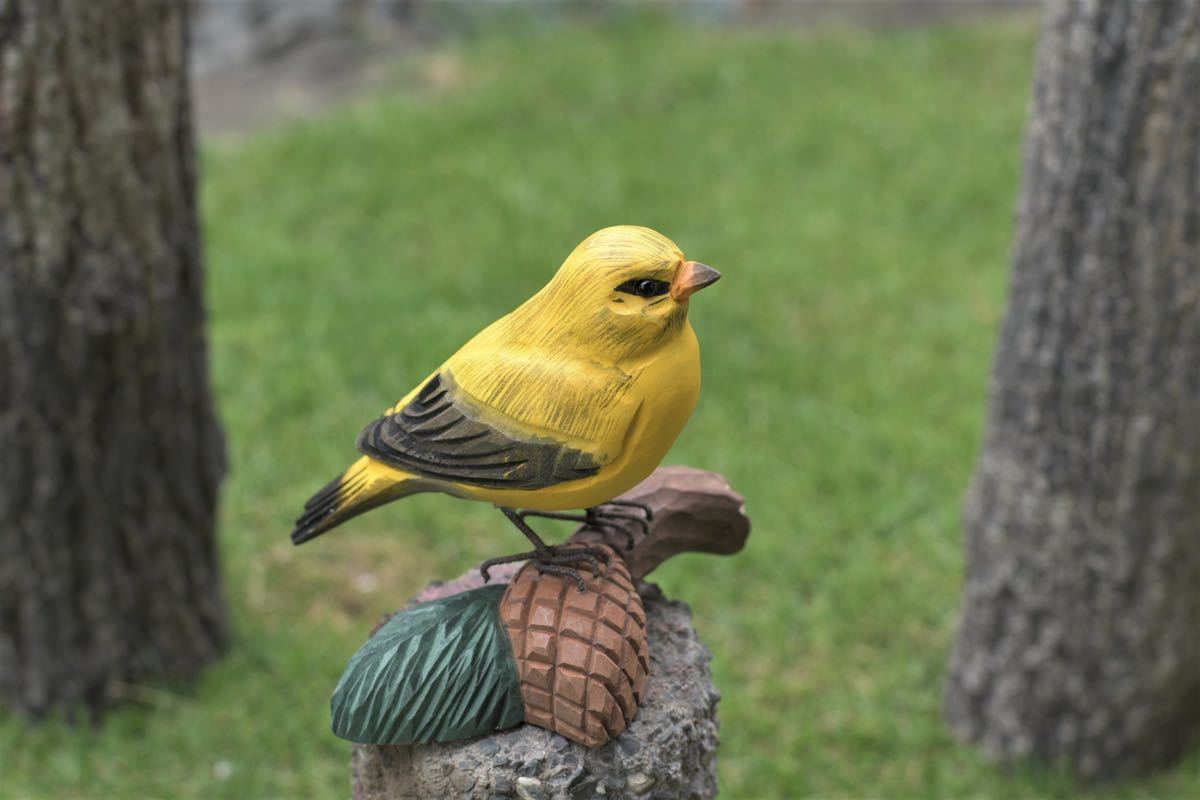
column 669, row 749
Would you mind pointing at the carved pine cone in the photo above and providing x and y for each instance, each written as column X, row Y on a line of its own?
column 582, row 657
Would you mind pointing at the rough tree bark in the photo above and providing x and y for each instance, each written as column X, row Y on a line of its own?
column 1079, row 641
column 110, row 452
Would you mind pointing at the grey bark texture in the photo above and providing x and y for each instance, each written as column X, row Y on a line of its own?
column 668, row 751
column 110, row 451
column 1079, row 641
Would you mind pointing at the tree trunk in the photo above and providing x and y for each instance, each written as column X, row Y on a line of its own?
column 1079, row 641
column 110, row 452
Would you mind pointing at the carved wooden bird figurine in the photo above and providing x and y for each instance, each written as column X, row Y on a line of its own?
column 565, row 403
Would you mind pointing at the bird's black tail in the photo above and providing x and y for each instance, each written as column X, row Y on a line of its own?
column 358, row 489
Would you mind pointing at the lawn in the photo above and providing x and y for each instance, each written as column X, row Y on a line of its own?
column 855, row 188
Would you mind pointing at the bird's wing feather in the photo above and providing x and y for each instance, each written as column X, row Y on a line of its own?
column 444, row 434
column 558, row 394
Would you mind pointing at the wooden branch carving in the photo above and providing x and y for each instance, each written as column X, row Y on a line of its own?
column 570, row 655
column 694, row 510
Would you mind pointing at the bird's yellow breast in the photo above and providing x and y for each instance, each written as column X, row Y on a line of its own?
column 609, row 376
column 628, row 415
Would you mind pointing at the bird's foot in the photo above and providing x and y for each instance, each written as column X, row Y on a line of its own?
column 555, row 560
column 647, row 512
column 615, row 516
column 486, row 566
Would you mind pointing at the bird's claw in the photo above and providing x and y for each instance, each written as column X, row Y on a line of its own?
column 486, row 566
column 615, row 519
column 555, row 560
column 644, row 508
column 611, row 515
column 566, row 572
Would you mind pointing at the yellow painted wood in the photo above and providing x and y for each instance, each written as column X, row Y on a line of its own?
column 609, row 373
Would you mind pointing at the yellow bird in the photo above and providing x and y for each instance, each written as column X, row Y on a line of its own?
column 567, row 402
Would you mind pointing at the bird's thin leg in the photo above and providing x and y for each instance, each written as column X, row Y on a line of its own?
column 595, row 520
column 540, row 547
column 545, row 553
column 549, row 558
column 607, row 515
column 588, row 518
column 571, row 556
column 552, row 515
column 566, row 572
column 597, row 517
column 517, row 518
column 486, row 566
column 645, row 509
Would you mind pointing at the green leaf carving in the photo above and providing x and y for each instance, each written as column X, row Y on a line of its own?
column 436, row 672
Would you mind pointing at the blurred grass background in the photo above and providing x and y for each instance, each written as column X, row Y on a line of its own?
column 854, row 187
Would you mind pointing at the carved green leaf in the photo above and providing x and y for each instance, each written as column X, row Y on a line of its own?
column 436, row 672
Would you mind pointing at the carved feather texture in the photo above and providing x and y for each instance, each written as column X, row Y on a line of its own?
column 437, row 436
column 569, row 400
column 561, row 361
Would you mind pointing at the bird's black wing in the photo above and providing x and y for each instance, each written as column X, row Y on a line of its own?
column 439, row 435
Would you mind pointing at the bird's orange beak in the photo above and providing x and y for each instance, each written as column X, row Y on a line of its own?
column 691, row 277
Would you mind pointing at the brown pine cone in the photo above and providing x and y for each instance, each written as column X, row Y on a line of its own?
column 582, row 657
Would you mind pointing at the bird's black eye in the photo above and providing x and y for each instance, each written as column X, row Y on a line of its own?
column 644, row 287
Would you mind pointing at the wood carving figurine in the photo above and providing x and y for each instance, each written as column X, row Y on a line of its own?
column 570, row 400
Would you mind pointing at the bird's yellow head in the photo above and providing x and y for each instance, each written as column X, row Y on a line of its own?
column 624, row 290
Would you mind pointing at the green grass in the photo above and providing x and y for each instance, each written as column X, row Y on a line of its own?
column 856, row 191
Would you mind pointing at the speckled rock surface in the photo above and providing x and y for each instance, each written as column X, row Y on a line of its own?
column 668, row 751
